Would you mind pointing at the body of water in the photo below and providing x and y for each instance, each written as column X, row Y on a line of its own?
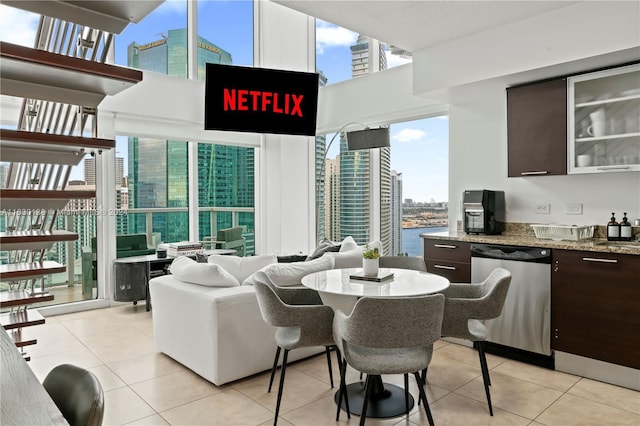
column 411, row 241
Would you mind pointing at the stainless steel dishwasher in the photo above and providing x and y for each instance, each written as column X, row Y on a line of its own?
column 523, row 331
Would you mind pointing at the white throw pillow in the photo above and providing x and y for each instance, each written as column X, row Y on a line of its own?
column 190, row 271
column 242, row 267
column 353, row 258
column 348, row 244
column 347, row 259
column 287, row 274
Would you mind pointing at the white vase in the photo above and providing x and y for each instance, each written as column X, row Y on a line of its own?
column 370, row 266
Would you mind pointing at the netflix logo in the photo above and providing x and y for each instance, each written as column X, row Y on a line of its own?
column 260, row 100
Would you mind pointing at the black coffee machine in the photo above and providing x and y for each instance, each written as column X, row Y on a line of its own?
column 483, row 211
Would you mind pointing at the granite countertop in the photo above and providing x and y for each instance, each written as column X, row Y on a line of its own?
column 529, row 240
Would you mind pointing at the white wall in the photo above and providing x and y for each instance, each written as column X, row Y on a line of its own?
column 478, row 160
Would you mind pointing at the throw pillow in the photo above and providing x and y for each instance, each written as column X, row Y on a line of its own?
column 347, row 259
column 242, row 267
column 324, row 247
column 288, row 274
column 190, row 271
column 348, row 244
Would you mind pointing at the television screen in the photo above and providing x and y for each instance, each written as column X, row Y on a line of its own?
column 260, row 100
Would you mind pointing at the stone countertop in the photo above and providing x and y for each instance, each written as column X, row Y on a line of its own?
column 592, row 244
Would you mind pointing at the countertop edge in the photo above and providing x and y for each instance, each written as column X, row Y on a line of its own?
column 591, row 244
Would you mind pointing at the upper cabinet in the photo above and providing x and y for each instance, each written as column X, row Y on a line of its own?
column 604, row 121
column 537, row 129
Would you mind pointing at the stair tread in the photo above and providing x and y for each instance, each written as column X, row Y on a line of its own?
column 22, row 337
column 46, row 194
column 30, row 269
column 22, row 318
column 35, row 73
column 22, row 297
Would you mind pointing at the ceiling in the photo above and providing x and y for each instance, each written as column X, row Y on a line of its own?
column 414, row 25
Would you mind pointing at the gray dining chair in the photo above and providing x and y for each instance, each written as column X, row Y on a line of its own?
column 388, row 336
column 298, row 325
column 77, row 393
column 403, row 262
column 466, row 305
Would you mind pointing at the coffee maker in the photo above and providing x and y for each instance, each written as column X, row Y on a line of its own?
column 483, row 211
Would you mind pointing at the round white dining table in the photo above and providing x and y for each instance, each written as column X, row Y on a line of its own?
column 338, row 290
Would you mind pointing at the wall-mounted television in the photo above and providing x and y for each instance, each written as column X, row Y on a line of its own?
column 260, row 100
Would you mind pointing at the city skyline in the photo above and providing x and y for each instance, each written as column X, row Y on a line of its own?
column 419, row 148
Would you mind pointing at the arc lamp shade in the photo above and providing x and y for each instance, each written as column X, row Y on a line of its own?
column 368, row 139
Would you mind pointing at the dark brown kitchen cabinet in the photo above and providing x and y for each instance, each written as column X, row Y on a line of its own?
column 595, row 306
column 537, row 129
column 448, row 258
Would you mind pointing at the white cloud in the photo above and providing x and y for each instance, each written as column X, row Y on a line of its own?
column 330, row 35
column 408, row 135
column 17, row 26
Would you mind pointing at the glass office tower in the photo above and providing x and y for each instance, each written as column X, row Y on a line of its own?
column 158, row 169
column 355, row 166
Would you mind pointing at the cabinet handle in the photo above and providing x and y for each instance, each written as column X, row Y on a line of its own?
column 447, row 246
column 450, row 268
column 595, row 259
column 614, row 168
column 542, row 172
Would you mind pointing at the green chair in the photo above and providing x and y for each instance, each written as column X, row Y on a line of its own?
column 231, row 238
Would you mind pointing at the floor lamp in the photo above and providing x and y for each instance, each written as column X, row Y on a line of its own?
column 366, row 138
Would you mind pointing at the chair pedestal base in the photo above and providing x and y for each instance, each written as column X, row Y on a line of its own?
column 386, row 400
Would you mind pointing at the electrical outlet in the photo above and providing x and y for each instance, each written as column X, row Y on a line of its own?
column 575, row 208
column 543, row 209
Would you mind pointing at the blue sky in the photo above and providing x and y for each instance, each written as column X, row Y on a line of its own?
column 419, row 149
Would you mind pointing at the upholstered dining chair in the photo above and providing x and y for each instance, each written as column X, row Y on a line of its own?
column 403, row 262
column 296, row 296
column 466, row 305
column 298, row 325
column 388, row 336
column 77, row 393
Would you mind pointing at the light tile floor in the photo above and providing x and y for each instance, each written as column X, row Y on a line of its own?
column 145, row 387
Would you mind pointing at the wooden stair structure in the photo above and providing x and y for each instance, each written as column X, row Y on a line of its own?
column 62, row 80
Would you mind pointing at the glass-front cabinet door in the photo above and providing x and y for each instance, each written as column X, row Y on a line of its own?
column 604, row 121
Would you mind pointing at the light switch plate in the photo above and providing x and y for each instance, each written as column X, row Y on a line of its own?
column 574, row 208
column 542, row 208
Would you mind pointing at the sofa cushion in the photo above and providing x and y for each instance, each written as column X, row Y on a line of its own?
column 352, row 258
column 324, row 247
column 348, row 244
column 208, row 274
column 242, row 267
column 287, row 274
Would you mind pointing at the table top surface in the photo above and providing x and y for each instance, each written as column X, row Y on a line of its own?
column 24, row 400
column 403, row 284
column 155, row 258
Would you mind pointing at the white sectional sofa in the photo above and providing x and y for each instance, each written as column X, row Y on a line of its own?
column 206, row 316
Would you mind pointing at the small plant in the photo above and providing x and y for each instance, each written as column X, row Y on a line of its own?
column 370, row 253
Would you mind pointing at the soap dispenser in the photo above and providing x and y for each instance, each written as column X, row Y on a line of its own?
column 613, row 229
column 625, row 229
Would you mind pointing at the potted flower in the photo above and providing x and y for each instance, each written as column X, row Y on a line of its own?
column 370, row 262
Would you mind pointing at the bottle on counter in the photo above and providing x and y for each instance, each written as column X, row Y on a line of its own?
column 613, row 229
column 625, row 229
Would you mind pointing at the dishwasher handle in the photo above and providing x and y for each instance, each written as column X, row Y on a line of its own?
column 514, row 253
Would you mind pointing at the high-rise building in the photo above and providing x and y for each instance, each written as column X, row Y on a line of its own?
column 396, row 212
column 368, row 55
column 332, row 199
column 158, row 168
column 90, row 171
column 322, row 231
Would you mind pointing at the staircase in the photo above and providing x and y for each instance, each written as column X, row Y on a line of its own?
column 62, row 80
